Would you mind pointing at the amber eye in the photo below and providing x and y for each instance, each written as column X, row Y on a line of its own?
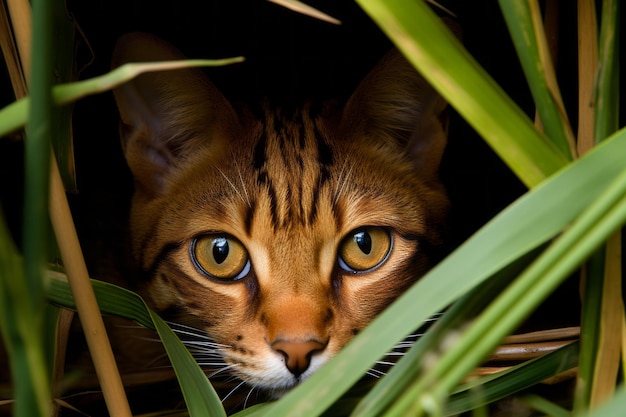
column 220, row 256
column 365, row 249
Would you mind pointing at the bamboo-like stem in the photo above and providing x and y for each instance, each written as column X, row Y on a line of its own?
column 20, row 12
column 86, row 304
column 587, row 65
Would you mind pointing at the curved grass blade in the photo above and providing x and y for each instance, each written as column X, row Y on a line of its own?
column 200, row 397
column 532, row 220
column 15, row 115
column 486, row 390
column 445, row 64
column 586, row 234
column 409, row 368
column 523, row 19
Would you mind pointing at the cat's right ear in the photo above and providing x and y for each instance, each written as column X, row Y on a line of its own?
column 165, row 116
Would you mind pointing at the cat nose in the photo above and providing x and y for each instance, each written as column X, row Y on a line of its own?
column 298, row 354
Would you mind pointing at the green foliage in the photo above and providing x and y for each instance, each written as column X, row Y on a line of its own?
column 508, row 267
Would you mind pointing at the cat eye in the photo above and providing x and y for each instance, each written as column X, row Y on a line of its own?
column 220, row 256
column 365, row 249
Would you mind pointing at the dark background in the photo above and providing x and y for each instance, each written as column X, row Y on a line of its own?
column 290, row 56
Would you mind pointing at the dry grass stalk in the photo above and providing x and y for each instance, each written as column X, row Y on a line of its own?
column 587, row 66
column 21, row 23
column 11, row 54
column 86, row 304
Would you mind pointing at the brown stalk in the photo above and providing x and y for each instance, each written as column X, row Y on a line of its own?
column 587, row 66
column 86, row 304
column 63, row 225
column 11, row 55
column 20, row 13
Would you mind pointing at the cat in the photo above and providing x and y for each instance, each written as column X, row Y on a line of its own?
column 278, row 233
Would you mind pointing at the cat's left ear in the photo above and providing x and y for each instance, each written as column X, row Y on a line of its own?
column 167, row 117
column 395, row 104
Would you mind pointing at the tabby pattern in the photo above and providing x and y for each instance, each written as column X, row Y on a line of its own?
column 279, row 232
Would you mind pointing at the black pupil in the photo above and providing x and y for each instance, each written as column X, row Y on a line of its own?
column 364, row 240
column 220, row 250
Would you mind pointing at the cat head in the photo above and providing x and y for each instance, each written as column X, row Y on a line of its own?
column 280, row 232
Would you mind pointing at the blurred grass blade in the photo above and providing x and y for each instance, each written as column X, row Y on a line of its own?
column 199, row 395
column 15, row 115
column 37, row 155
column 35, row 227
column 594, row 226
column 408, row 368
column 533, row 219
column 486, row 390
column 19, row 321
column 614, row 407
column 545, row 407
column 441, row 59
column 305, row 9
column 525, row 26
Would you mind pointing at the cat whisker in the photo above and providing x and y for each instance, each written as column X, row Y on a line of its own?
column 245, row 402
column 232, row 391
column 375, row 373
column 342, row 181
column 224, row 367
column 234, row 187
column 243, row 184
column 395, row 354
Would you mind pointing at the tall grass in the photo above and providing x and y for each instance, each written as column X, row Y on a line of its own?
column 570, row 217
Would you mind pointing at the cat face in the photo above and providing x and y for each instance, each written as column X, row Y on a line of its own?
column 280, row 232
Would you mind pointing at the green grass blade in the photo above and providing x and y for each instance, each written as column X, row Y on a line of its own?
column 441, row 59
column 586, row 234
column 486, row 390
column 408, row 368
column 19, row 320
column 590, row 331
column 532, row 220
column 607, row 86
column 37, row 153
column 30, row 353
column 15, row 115
column 545, row 407
column 200, row 397
column 523, row 19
